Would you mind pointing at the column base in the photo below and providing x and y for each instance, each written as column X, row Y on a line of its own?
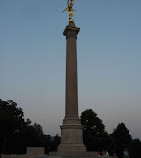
column 71, row 137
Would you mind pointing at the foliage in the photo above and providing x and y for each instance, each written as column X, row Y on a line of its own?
column 16, row 133
column 93, row 131
column 55, row 141
column 122, row 138
column 11, row 121
column 47, row 143
column 134, row 148
column 11, row 117
column 51, row 143
column 110, row 145
column 33, row 134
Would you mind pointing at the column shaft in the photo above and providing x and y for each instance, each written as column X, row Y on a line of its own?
column 71, row 107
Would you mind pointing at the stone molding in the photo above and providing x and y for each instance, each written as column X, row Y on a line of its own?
column 71, row 31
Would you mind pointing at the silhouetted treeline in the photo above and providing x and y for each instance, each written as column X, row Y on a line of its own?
column 134, row 148
column 97, row 139
column 51, row 143
column 16, row 134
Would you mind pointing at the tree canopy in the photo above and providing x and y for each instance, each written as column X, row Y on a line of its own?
column 97, row 139
column 122, row 138
column 93, row 131
column 134, row 148
column 11, row 117
column 11, row 121
column 16, row 133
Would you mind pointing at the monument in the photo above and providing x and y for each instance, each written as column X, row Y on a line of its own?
column 71, row 130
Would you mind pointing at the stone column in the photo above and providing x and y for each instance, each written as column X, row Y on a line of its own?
column 71, row 130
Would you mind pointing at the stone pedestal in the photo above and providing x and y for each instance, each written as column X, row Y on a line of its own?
column 71, row 130
column 71, row 137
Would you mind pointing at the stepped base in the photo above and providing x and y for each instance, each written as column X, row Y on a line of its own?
column 71, row 137
column 77, row 154
column 80, row 155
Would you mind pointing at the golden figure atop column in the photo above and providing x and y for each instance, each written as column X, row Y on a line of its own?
column 70, row 10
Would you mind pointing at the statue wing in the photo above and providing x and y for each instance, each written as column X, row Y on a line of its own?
column 66, row 10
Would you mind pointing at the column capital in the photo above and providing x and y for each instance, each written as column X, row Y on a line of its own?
column 71, row 30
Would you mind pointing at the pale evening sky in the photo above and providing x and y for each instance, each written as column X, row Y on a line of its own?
column 33, row 53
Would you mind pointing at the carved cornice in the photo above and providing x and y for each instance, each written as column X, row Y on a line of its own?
column 71, row 31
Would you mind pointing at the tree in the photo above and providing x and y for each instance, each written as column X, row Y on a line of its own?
column 47, row 143
column 16, row 133
column 55, row 141
column 110, row 144
column 94, row 133
column 122, row 138
column 11, row 121
column 134, row 148
column 33, row 134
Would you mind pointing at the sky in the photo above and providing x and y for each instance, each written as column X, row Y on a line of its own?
column 33, row 54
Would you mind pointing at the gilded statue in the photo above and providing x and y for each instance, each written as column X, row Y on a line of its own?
column 70, row 10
